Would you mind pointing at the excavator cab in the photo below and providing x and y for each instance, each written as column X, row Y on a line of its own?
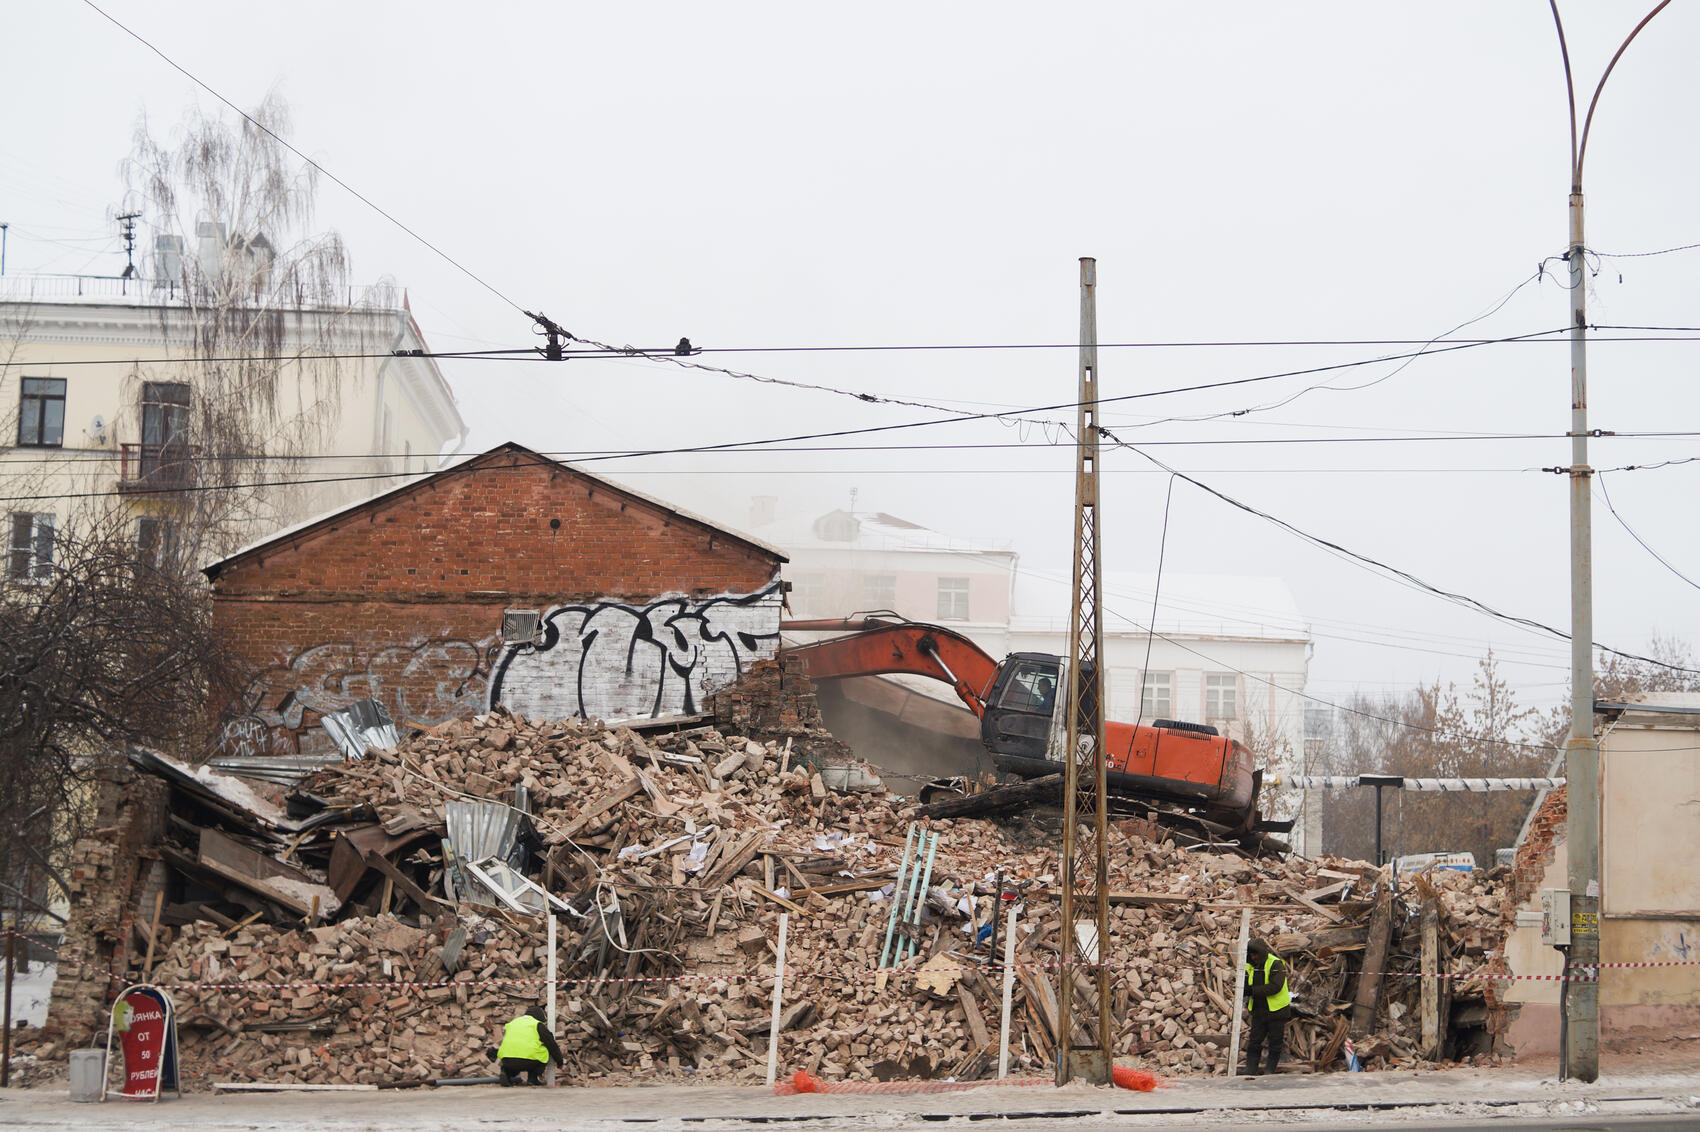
column 1020, row 707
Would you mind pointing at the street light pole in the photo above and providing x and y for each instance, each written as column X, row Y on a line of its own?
column 1582, row 750
column 1381, row 782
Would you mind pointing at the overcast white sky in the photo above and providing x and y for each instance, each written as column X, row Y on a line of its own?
column 761, row 175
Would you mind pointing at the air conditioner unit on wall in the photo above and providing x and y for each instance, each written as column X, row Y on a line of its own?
column 521, row 627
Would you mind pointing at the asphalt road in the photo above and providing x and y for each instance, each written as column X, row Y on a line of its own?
column 1456, row 1100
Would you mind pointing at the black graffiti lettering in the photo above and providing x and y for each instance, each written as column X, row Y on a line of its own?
column 616, row 660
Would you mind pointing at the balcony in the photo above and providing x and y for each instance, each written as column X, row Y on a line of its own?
column 156, row 467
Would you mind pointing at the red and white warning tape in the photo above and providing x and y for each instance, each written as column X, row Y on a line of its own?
column 1579, row 973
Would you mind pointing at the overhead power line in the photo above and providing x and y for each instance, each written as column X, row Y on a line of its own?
column 1019, row 417
column 687, row 363
column 1392, row 721
column 769, row 448
column 1325, row 386
column 1188, row 344
column 1624, row 523
column 1644, row 255
column 1383, row 568
column 534, row 354
column 1373, row 564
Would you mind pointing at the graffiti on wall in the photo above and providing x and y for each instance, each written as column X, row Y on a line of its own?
column 611, row 660
column 1676, row 944
column 424, row 683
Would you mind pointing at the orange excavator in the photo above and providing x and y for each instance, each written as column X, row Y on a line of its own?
column 1189, row 769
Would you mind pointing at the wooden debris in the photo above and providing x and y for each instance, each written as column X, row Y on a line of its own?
column 653, row 838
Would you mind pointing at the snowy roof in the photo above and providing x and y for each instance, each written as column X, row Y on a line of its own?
column 1206, row 605
column 874, row 530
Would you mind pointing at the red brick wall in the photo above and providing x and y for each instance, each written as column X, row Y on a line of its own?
column 484, row 530
column 1528, row 870
column 402, row 599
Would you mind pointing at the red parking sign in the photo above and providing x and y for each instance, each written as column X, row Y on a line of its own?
column 143, row 1019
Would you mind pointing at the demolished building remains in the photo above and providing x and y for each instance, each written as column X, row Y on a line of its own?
column 380, row 920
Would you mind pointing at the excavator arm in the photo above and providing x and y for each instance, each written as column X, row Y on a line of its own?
column 883, row 648
column 1182, row 764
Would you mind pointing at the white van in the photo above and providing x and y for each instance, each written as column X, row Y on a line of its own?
column 1417, row 862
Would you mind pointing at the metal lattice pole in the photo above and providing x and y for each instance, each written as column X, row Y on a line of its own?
column 1085, row 864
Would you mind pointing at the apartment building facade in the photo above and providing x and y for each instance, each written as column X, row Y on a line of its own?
column 102, row 415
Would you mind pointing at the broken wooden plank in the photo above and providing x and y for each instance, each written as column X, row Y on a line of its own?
column 216, row 916
column 798, row 1014
column 802, row 881
column 779, row 900
column 1000, row 798
column 1043, row 996
column 1323, row 939
column 427, row 903
column 608, row 801
column 664, row 805
column 1322, row 910
column 153, row 937
column 1331, row 1047
column 971, row 1011
column 735, row 860
column 272, row 879
column 1336, row 890
column 1136, row 899
column 1429, row 1050
column 1368, row 997
column 862, row 884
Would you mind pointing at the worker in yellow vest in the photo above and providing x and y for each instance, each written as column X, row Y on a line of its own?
column 527, row 1047
column 1269, row 998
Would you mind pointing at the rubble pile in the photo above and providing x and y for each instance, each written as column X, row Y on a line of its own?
column 667, row 860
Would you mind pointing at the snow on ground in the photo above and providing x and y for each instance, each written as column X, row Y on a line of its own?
column 30, row 989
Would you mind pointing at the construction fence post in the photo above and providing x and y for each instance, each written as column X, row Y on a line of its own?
column 1239, row 991
column 549, row 914
column 1008, row 994
column 778, row 1000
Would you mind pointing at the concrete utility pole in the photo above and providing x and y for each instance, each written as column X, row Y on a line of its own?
column 1582, row 751
column 1085, row 866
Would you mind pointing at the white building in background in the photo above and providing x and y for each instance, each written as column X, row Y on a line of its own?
column 868, row 562
column 99, row 377
column 1229, row 650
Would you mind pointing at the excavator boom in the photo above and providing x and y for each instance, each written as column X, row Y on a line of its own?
column 883, row 648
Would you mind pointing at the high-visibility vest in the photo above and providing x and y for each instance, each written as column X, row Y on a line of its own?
column 1281, row 997
column 519, row 1039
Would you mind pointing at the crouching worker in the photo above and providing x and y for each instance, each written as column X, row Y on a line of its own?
column 1268, row 996
column 527, row 1047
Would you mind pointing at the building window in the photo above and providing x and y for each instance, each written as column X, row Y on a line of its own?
column 808, row 593
column 1221, row 695
column 1033, row 688
column 165, row 423
column 41, row 412
column 1157, row 696
column 30, row 554
column 879, row 592
column 953, row 599
column 156, row 543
